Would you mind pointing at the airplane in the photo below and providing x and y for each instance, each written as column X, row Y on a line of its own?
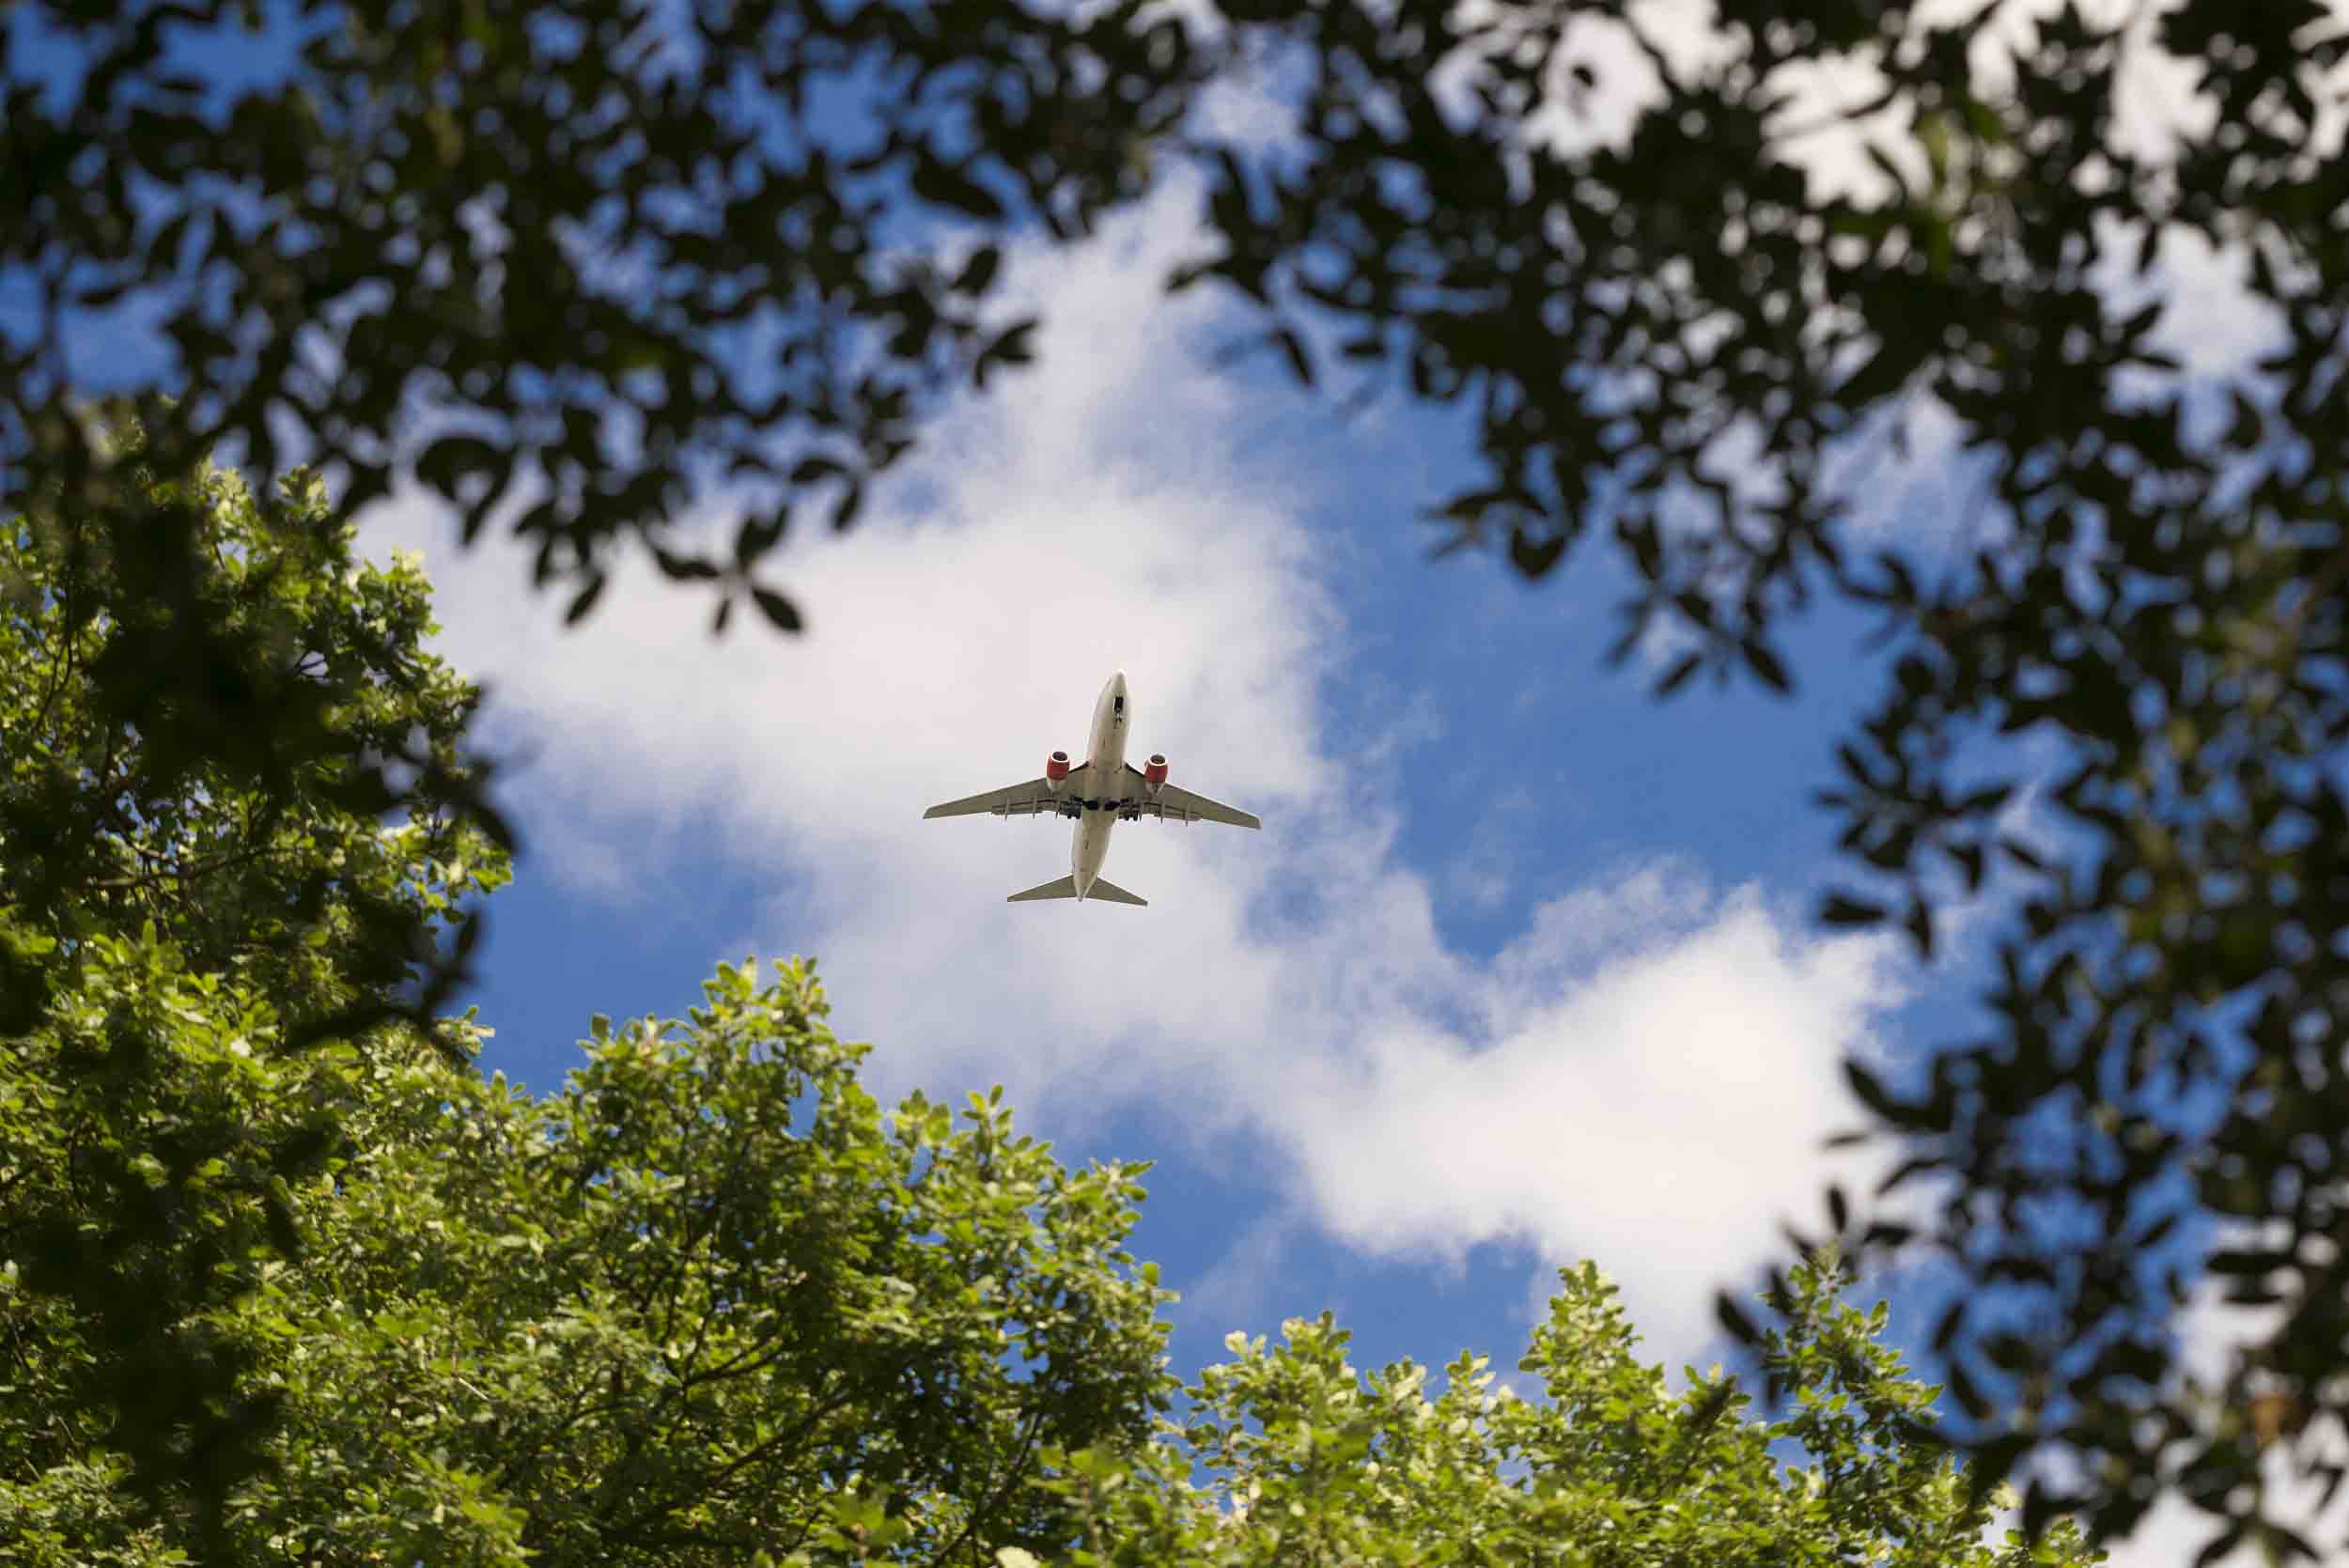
column 1099, row 792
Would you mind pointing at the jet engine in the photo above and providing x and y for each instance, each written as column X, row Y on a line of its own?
column 1055, row 770
column 1154, row 774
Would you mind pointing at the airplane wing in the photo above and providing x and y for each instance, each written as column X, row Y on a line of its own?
column 1174, row 803
column 1031, row 799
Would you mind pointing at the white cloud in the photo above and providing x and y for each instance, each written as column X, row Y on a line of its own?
column 1657, row 1074
column 1644, row 1076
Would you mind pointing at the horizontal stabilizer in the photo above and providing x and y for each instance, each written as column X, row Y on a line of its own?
column 1065, row 887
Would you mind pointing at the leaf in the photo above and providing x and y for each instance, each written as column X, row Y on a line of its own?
column 943, row 185
column 757, row 536
column 1982, row 120
column 777, row 609
column 1878, row 377
column 1766, row 664
column 844, row 511
column 445, row 464
column 1870, row 1090
column 1989, row 1465
column 1920, row 923
column 2223, row 1544
column 1293, row 346
column 683, row 569
column 1840, row 909
column 1532, row 556
column 585, row 601
column 1010, row 347
column 979, row 271
column 1677, row 676
column 2249, row 427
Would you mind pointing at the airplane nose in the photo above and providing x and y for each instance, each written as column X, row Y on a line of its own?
column 1119, row 681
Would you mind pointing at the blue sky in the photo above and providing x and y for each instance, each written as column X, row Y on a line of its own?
column 1521, row 970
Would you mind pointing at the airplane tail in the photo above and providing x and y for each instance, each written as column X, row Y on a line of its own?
column 1065, row 887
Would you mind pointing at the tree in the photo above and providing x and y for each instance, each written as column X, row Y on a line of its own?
column 705, row 1300
column 186, row 902
column 1288, row 1455
column 151, row 675
column 1673, row 341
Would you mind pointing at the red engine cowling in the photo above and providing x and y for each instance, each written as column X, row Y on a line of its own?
column 1155, row 774
column 1056, row 767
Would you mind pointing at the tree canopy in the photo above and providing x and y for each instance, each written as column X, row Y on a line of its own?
column 1287, row 1455
column 188, row 901
column 594, row 264
column 682, row 1309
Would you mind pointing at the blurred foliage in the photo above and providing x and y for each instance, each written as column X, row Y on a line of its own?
column 705, row 1300
column 589, row 263
column 1288, row 1455
column 581, row 259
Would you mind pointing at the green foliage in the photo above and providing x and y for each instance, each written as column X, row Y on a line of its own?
column 198, row 717
column 709, row 1303
column 707, row 1300
column 139, row 1202
column 1287, row 1455
column 187, row 913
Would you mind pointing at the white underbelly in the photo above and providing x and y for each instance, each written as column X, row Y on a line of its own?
column 1092, row 846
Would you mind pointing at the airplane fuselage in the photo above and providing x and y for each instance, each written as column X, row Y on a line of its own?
column 1096, row 794
column 1105, row 781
